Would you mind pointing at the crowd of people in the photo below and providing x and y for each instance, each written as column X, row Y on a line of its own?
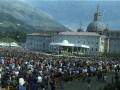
column 29, row 70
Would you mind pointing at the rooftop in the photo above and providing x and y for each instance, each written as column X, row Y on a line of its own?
column 79, row 33
column 113, row 31
column 39, row 34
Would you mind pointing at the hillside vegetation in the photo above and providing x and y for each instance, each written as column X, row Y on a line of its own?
column 9, row 23
column 13, row 36
column 28, row 14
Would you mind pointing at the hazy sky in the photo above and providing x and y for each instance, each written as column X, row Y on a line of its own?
column 72, row 13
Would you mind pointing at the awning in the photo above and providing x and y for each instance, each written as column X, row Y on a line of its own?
column 14, row 44
column 65, row 43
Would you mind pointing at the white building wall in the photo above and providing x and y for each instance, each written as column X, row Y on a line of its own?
column 38, row 43
column 92, row 41
column 114, row 41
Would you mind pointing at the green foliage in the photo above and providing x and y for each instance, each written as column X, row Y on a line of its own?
column 13, row 36
column 85, row 55
column 109, row 54
column 67, row 54
column 6, row 39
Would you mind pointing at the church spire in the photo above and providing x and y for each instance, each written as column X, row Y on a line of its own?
column 97, row 8
column 97, row 15
column 80, row 29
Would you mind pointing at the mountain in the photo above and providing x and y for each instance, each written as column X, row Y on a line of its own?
column 16, row 11
column 72, row 13
column 8, row 22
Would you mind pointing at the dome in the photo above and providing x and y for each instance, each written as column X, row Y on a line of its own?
column 65, row 41
column 107, row 29
column 96, row 26
column 80, row 30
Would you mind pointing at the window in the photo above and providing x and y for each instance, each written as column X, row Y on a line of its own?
column 108, row 34
column 102, row 43
column 92, row 49
column 96, row 49
column 112, row 34
column 43, row 44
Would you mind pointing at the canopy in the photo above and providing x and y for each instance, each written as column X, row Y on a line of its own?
column 14, row 44
column 4, row 44
column 66, row 43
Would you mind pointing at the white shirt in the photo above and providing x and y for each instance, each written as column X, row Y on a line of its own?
column 39, row 79
column 16, row 72
column 21, row 81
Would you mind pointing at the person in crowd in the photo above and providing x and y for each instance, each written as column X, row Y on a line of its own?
column 22, row 87
column 53, row 84
column 34, row 86
column 109, row 87
column 105, row 77
column 39, row 78
column 14, row 83
column 88, row 81
column 4, row 83
column 118, row 86
column 116, row 77
column 32, row 66
column 62, row 82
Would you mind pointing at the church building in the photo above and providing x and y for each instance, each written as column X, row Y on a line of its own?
column 97, row 39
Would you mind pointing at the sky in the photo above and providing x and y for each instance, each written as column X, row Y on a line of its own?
column 72, row 13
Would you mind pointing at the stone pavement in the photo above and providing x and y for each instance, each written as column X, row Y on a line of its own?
column 79, row 85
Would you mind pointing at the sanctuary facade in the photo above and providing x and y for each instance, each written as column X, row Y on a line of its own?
column 97, row 39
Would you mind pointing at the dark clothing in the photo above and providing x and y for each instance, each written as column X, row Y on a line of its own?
column 116, row 77
column 88, row 79
column 31, row 79
column 22, row 87
column 14, row 83
column 52, row 83
column 4, row 83
column 34, row 86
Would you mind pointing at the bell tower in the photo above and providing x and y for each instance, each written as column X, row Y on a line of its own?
column 97, row 15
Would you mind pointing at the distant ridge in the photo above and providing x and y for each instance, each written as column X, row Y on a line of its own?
column 28, row 15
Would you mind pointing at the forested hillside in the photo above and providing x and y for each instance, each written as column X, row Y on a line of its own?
column 9, row 23
column 13, row 36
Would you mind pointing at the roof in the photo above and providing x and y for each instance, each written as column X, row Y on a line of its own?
column 79, row 33
column 49, row 30
column 66, row 43
column 96, row 26
column 38, row 34
column 14, row 44
column 113, row 31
